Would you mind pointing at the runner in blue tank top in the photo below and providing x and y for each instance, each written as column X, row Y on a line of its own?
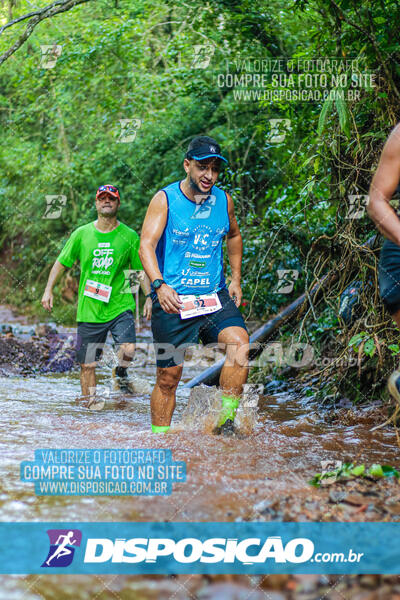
column 181, row 252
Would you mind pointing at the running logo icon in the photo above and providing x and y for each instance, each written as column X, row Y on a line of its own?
column 62, row 547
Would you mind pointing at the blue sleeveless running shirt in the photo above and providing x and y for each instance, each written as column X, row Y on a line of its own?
column 189, row 252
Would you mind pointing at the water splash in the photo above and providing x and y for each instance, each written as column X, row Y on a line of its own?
column 247, row 412
column 204, row 406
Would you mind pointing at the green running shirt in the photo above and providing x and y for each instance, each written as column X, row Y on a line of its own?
column 103, row 258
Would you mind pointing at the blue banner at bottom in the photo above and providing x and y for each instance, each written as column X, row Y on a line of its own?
column 163, row 548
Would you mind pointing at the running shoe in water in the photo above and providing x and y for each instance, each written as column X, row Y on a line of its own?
column 227, row 428
column 121, row 381
column 96, row 403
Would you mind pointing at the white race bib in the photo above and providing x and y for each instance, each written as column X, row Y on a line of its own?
column 98, row 291
column 194, row 306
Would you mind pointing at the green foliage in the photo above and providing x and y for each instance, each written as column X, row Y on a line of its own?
column 122, row 60
column 350, row 471
column 395, row 349
column 367, row 341
column 326, row 323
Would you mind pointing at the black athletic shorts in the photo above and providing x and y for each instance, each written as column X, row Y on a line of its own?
column 389, row 276
column 91, row 337
column 172, row 335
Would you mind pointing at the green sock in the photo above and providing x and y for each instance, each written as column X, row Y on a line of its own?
column 160, row 428
column 228, row 411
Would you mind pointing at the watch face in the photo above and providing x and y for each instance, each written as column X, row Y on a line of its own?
column 157, row 283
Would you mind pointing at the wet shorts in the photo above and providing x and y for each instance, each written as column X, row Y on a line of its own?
column 389, row 276
column 91, row 337
column 172, row 335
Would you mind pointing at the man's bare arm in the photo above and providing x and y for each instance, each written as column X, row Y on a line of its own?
column 144, row 282
column 145, row 286
column 383, row 185
column 47, row 299
column 152, row 230
column 234, row 245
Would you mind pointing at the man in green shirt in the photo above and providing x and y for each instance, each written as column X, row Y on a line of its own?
column 107, row 251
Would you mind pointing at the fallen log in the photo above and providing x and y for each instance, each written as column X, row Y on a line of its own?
column 263, row 334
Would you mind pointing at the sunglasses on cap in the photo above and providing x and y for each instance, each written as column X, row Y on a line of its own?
column 109, row 189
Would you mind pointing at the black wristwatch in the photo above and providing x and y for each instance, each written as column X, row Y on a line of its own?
column 157, row 283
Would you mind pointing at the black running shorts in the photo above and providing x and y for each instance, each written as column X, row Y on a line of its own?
column 172, row 335
column 389, row 276
column 91, row 337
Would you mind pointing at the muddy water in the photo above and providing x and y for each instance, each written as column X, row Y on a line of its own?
column 227, row 478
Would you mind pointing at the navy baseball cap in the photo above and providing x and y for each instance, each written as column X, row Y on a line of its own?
column 202, row 147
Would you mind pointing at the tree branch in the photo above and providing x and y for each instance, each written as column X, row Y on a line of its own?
column 36, row 17
column 372, row 39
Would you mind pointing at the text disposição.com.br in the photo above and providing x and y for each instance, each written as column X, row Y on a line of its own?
column 248, row 551
column 337, row 557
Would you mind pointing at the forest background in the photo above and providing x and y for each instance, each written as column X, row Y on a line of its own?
column 112, row 91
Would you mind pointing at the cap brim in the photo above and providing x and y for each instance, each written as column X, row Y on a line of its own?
column 209, row 156
column 113, row 194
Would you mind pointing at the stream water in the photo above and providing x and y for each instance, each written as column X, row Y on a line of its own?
column 228, row 478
